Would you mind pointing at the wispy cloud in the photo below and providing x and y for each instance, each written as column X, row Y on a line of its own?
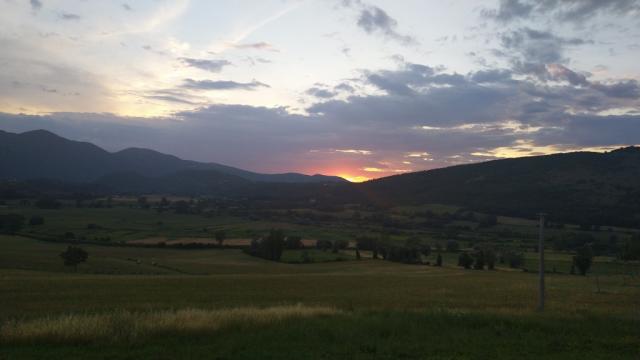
column 221, row 85
column 69, row 16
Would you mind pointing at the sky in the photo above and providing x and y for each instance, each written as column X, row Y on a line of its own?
column 356, row 88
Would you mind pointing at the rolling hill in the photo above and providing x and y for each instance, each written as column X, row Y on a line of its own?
column 581, row 186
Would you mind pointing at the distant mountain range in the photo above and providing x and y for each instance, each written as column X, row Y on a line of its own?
column 42, row 154
column 598, row 188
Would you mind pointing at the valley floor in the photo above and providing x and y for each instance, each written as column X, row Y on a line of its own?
column 377, row 309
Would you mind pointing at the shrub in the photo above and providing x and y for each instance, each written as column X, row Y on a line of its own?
column 293, row 242
column 465, row 260
column 324, row 245
column 73, row 256
column 514, row 259
column 453, row 246
column 304, row 257
column 11, row 223
column 36, row 220
column 270, row 247
column 48, row 203
column 366, row 243
column 583, row 259
column 220, row 236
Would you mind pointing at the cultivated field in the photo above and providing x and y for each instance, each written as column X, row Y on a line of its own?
column 149, row 301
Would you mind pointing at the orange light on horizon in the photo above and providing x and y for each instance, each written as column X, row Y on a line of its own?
column 354, row 178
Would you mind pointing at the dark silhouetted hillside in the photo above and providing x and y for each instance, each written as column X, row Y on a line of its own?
column 582, row 186
column 43, row 155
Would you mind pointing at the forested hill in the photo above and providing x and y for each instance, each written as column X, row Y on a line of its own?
column 580, row 186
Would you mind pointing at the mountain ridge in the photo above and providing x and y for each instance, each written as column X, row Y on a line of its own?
column 43, row 154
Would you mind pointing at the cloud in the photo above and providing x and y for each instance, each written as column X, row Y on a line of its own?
column 562, row 73
column 256, row 60
column 255, row 46
column 126, row 7
column 575, row 11
column 36, row 5
column 491, row 76
column 207, row 65
column 410, row 78
column 221, row 85
column 628, row 89
column 170, row 98
column 69, row 16
column 412, row 116
column 374, row 20
column 320, row 93
column 531, row 46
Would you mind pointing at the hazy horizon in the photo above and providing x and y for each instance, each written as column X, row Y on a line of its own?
column 353, row 88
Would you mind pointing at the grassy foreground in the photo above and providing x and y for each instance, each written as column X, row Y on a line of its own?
column 321, row 333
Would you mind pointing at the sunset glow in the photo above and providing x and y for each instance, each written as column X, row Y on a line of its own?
column 323, row 86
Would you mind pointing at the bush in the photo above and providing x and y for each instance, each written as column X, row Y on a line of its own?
column 324, row 245
column 366, row 243
column 11, row 223
column 514, row 259
column 484, row 256
column 293, row 243
column 36, row 220
column 339, row 245
column 270, row 247
column 583, row 259
column 73, row 256
column 402, row 254
column 465, row 260
column 631, row 250
column 220, row 235
column 48, row 203
column 453, row 246
column 304, row 257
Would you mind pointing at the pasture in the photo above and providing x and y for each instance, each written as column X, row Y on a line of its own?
column 135, row 299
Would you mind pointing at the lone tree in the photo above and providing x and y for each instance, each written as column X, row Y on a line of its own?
column 73, row 256
column 583, row 259
column 465, row 260
column 273, row 245
column 220, row 236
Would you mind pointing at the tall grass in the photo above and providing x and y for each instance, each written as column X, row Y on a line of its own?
column 128, row 326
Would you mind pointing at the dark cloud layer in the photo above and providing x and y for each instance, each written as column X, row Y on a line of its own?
column 576, row 11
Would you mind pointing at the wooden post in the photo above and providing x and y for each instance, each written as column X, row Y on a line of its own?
column 541, row 265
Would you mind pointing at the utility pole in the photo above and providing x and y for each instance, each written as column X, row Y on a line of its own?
column 541, row 265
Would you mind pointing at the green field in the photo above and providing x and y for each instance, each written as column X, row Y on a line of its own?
column 166, row 303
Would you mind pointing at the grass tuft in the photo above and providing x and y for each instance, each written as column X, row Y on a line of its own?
column 128, row 326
